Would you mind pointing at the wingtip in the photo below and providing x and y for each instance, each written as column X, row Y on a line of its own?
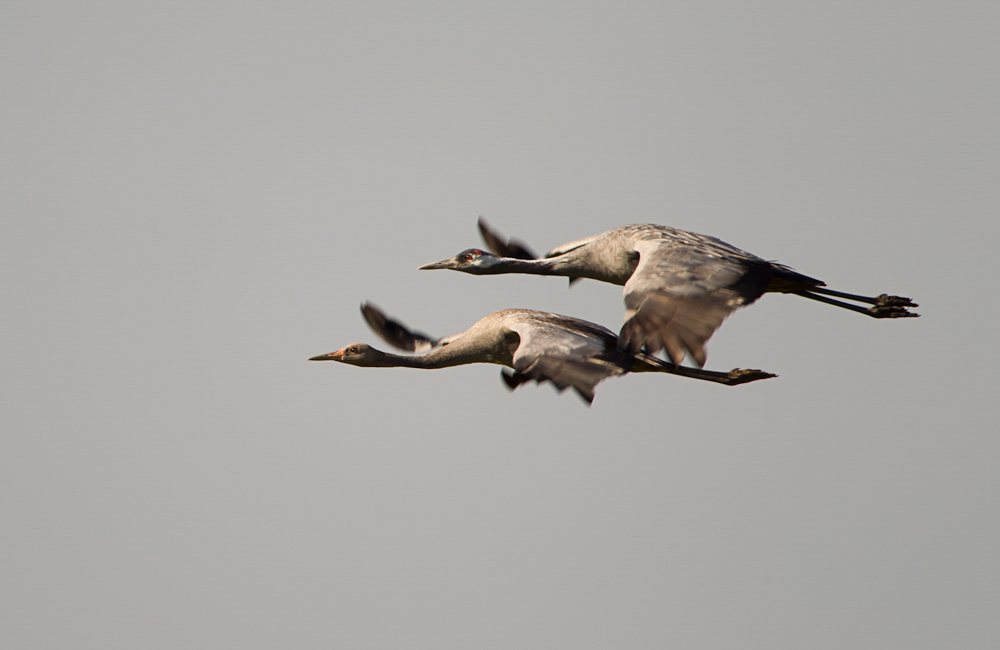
column 372, row 315
column 484, row 230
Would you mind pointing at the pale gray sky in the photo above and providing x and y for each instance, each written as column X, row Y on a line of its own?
column 195, row 198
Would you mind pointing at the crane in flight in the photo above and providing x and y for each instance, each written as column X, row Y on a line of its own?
column 679, row 285
column 538, row 346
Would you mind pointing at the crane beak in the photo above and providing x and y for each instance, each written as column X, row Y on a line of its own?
column 331, row 356
column 443, row 264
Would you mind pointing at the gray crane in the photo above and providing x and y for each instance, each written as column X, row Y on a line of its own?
column 679, row 285
column 538, row 346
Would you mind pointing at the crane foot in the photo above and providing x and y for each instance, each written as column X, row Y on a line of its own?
column 887, row 306
column 742, row 376
column 885, row 300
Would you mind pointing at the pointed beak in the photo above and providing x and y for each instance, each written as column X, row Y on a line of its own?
column 443, row 264
column 331, row 356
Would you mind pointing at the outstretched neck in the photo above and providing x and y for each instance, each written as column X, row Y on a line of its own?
column 443, row 357
column 580, row 263
column 547, row 266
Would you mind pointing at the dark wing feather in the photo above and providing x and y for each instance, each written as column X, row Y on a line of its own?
column 395, row 333
column 680, row 294
column 504, row 247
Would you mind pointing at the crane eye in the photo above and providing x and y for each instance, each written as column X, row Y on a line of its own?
column 468, row 258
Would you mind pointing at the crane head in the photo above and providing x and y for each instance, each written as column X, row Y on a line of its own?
column 472, row 260
column 355, row 354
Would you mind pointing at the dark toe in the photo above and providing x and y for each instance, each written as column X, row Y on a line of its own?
column 743, row 376
column 894, row 301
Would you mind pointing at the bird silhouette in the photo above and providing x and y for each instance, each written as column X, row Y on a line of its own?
column 679, row 285
column 538, row 346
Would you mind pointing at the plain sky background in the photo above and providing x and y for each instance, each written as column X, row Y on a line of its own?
column 196, row 197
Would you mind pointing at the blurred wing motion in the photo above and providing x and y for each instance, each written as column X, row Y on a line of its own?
column 679, row 295
column 566, row 352
column 512, row 248
column 395, row 333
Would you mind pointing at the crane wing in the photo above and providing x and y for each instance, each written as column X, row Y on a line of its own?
column 679, row 295
column 504, row 247
column 571, row 356
column 398, row 335
column 518, row 249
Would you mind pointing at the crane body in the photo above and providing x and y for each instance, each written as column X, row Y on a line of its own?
column 679, row 286
column 538, row 346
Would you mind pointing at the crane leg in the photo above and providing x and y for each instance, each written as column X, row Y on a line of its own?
column 883, row 306
column 735, row 377
column 883, row 299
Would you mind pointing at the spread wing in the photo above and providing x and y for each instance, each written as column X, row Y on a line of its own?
column 680, row 294
column 398, row 335
column 574, row 356
column 518, row 249
column 504, row 247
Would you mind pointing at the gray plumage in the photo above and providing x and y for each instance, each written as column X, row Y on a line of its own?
column 538, row 346
column 678, row 286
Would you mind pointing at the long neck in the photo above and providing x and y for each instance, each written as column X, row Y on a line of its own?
column 574, row 264
column 548, row 266
column 443, row 357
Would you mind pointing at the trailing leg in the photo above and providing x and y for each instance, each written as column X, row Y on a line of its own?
column 883, row 306
column 880, row 300
column 735, row 377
